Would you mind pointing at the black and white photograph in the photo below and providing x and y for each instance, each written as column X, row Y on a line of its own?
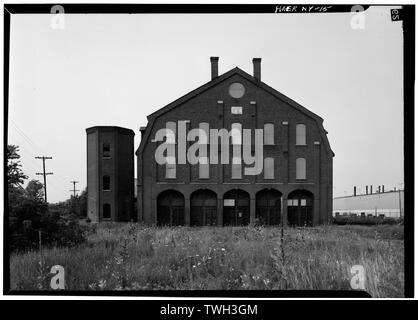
column 197, row 150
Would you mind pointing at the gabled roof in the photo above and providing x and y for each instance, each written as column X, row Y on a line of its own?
column 216, row 81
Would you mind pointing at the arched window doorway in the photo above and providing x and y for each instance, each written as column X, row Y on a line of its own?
column 203, row 205
column 236, row 208
column 269, row 207
column 170, row 208
column 300, row 208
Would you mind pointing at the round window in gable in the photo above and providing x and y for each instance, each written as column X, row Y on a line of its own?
column 236, row 90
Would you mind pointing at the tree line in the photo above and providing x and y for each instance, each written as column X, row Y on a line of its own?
column 32, row 219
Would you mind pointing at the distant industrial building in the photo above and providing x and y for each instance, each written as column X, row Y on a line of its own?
column 379, row 204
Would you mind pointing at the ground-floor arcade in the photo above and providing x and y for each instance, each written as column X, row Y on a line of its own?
column 235, row 206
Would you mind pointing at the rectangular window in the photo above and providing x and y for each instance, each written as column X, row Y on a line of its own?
column 171, row 132
column 229, row 202
column 106, row 183
column 236, row 133
column 106, row 211
column 295, row 202
column 236, row 110
column 236, row 170
column 300, row 168
column 300, row 135
column 268, row 134
column 289, row 202
column 170, row 168
column 203, row 168
column 268, row 168
column 106, row 150
column 303, row 202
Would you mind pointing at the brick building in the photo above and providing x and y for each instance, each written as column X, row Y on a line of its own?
column 110, row 174
column 295, row 183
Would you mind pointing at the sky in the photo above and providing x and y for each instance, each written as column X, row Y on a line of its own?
column 116, row 69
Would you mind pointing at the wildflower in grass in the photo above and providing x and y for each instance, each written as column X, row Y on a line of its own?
column 102, row 284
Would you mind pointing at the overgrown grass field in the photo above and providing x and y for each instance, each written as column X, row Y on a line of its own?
column 135, row 257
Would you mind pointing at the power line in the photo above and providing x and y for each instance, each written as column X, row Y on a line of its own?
column 44, row 173
column 25, row 136
column 29, row 153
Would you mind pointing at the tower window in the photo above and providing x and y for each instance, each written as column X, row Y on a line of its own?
column 106, row 211
column 301, row 168
column 269, row 134
column 106, row 183
column 106, row 150
column 300, row 135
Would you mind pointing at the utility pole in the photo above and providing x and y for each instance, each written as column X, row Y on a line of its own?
column 73, row 202
column 74, row 190
column 400, row 204
column 44, row 173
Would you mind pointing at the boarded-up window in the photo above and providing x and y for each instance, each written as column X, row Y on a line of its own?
column 300, row 134
column 106, row 211
column 300, row 168
column 236, row 133
column 171, row 132
column 268, row 134
column 236, row 170
column 268, row 168
column 236, row 110
column 203, row 168
column 170, row 168
column 106, row 150
column 106, row 183
column 292, row 202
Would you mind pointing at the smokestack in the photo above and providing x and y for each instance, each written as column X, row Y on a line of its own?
column 214, row 66
column 371, row 189
column 257, row 68
column 355, row 191
column 378, row 189
column 367, row 189
column 383, row 189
